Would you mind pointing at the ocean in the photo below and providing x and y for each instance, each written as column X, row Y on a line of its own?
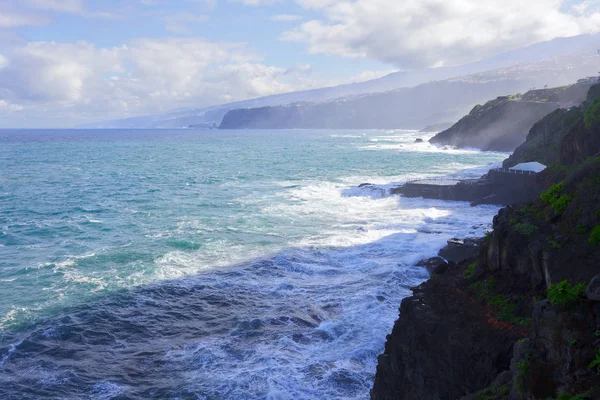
column 182, row 264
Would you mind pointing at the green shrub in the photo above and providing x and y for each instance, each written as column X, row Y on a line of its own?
column 525, row 229
column 592, row 114
column 501, row 305
column 553, row 242
column 493, row 393
column 522, row 372
column 487, row 237
column 553, row 197
column 595, row 364
column 565, row 396
column 595, row 235
column 531, row 212
column 552, row 193
column 470, row 271
column 563, row 294
column 523, row 367
column 561, row 204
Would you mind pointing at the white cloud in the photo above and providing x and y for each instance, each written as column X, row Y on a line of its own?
column 257, row 2
column 286, row 18
column 54, row 72
column 182, row 22
column 67, row 6
column 77, row 82
column 428, row 33
column 4, row 106
column 16, row 13
column 12, row 18
column 203, row 5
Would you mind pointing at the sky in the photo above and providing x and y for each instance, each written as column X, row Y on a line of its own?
column 67, row 62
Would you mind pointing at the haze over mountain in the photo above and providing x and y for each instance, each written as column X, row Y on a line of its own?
column 556, row 62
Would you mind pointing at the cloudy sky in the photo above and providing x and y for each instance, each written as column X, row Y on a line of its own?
column 65, row 62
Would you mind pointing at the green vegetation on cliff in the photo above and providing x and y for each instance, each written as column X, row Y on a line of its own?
column 563, row 294
column 549, row 247
column 592, row 114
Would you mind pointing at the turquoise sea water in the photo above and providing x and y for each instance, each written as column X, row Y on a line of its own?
column 212, row 264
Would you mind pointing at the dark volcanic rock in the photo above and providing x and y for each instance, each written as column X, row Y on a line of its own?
column 435, row 265
column 593, row 289
column 443, row 346
column 543, row 141
column 457, row 335
column 459, row 250
column 419, row 140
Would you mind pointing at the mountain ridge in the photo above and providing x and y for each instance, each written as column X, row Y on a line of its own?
column 184, row 117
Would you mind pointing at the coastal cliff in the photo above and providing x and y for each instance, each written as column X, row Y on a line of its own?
column 563, row 137
column 406, row 108
column 502, row 124
column 520, row 320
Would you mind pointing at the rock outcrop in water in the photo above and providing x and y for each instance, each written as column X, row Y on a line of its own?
column 521, row 320
column 502, row 124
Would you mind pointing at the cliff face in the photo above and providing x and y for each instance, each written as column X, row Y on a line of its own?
column 503, row 124
column 485, row 329
column 563, row 137
column 520, row 321
column 444, row 345
column 544, row 139
column 499, row 125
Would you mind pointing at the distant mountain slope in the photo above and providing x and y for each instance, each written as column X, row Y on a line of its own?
column 415, row 107
column 214, row 114
column 502, row 124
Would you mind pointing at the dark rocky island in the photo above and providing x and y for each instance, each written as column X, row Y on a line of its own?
column 519, row 316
